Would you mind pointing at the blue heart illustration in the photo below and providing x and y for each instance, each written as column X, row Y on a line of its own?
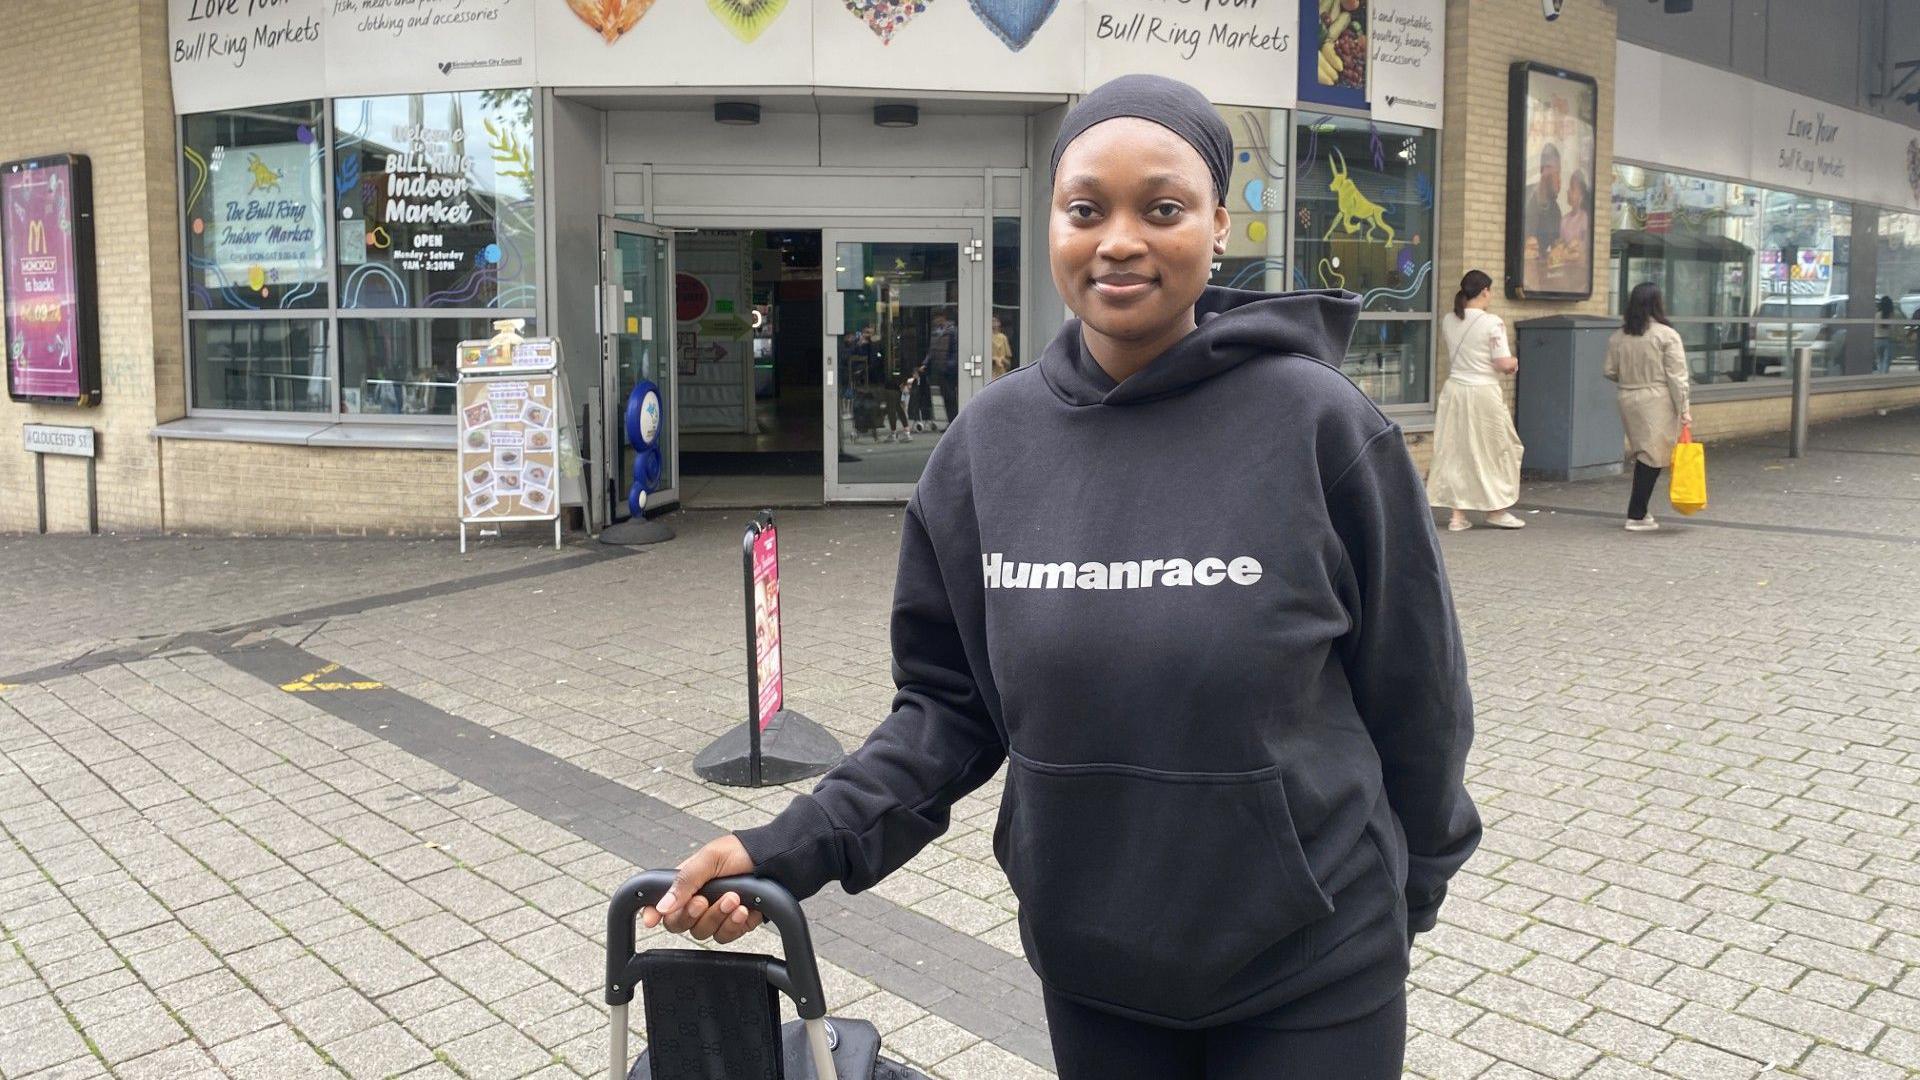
column 1014, row 21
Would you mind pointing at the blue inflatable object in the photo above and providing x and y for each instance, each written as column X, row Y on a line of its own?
column 643, row 435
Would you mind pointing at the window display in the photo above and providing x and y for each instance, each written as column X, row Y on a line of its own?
column 1752, row 275
column 436, row 200
column 1364, row 211
column 255, row 187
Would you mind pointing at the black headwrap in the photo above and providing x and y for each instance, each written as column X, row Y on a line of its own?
column 1172, row 104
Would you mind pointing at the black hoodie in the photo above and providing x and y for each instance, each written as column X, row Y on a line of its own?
column 1202, row 614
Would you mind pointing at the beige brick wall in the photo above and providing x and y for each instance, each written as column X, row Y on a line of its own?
column 258, row 488
column 1484, row 38
column 90, row 77
column 1760, row 416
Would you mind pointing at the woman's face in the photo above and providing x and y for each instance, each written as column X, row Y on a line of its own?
column 1133, row 230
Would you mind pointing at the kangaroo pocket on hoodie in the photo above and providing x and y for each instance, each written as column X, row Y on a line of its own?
column 1160, row 893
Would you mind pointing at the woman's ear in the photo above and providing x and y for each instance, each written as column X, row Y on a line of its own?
column 1222, row 225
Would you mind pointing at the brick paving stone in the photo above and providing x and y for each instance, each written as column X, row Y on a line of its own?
column 1712, row 846
column 500, row 1052
column 380, row 1051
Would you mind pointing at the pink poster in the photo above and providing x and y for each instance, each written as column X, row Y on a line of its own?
column 766, row 623
column 46, row 244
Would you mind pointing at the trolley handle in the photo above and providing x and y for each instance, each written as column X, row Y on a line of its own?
column 798, row 975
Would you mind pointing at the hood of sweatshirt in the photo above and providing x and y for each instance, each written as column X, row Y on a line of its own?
column 1234, row 326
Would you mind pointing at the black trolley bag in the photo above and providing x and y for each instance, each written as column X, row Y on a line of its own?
column 715, row 1015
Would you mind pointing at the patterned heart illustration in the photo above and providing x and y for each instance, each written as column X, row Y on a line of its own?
column 1014, row 22
column 746, row 18
column 886, row 17
column 610, row 18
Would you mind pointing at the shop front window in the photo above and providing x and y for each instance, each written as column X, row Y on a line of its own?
column 255, row 208
column 1256, row 255
column 260, row 365
column 1363, row 221
column 436, row 200
column 1751, row 276
column 1364, row 211
column 403, row 366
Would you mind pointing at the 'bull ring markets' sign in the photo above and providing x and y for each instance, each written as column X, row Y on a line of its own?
column 237, row 53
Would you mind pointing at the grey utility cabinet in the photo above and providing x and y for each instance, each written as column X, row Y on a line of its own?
column 1566, row 411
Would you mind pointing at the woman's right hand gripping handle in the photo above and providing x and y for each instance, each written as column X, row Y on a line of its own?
column 684, row 911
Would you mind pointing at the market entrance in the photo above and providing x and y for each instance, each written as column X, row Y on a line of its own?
column 747, row 355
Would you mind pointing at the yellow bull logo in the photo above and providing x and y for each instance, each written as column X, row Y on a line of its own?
column 264, row 178
column 1355, row 209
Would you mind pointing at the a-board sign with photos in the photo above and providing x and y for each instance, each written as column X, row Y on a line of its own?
column 509, row 435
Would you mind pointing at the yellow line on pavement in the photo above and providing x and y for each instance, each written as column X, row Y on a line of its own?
column 305, row 684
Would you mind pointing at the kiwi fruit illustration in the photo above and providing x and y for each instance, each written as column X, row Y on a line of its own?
column 746, row 18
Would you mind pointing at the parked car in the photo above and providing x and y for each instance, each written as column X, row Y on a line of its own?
column 1771, row 347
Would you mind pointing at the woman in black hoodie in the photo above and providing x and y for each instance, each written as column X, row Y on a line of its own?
column 1180, row 577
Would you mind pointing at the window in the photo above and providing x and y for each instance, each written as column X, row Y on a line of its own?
column 403, row 366
column 430, row 199
column 1751, row 275
column 255, row 209
column 256, row 251
column 260, row 365
column 1364, row 221
column 1005, row 314
column 1256, row 256
column 436, row 200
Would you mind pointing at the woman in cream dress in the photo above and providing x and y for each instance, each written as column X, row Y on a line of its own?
column 1649, row 361
column 1476, row 452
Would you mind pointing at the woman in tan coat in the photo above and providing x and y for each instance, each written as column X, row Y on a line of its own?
column 1649, row 361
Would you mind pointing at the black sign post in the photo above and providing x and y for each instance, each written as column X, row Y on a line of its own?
column 777, row 744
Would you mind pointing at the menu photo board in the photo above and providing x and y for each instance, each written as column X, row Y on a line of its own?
column 46, row 245
column 509, row 445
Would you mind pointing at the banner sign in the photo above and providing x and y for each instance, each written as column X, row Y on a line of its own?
column 765, row 576
column 1235, row 51
column 428, row 46
column 233, row 53
column 46, row 243
column 1407, row 59
column 259, row 218
column 1802, row 144
column 228, row 53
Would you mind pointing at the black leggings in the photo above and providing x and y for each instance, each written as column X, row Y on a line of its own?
column 1092, row 1045
column 1644, row 477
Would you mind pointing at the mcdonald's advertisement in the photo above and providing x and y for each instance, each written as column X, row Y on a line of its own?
column 46, row 246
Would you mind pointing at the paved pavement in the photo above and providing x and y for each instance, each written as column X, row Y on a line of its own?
column 284, row 808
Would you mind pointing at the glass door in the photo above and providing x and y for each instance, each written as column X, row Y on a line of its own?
column 636, row 305
column 905, row 345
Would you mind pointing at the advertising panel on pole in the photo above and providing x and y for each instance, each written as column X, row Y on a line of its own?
column 416, row 46
column 1236, row 51
column 638, row 42
column 46, row 244
column 766, row 625
column 229, row 53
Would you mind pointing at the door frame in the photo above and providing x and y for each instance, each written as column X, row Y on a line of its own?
column 607, row 306
column 970, row 320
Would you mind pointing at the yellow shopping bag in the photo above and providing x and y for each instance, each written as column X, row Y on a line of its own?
column 1689, row 487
